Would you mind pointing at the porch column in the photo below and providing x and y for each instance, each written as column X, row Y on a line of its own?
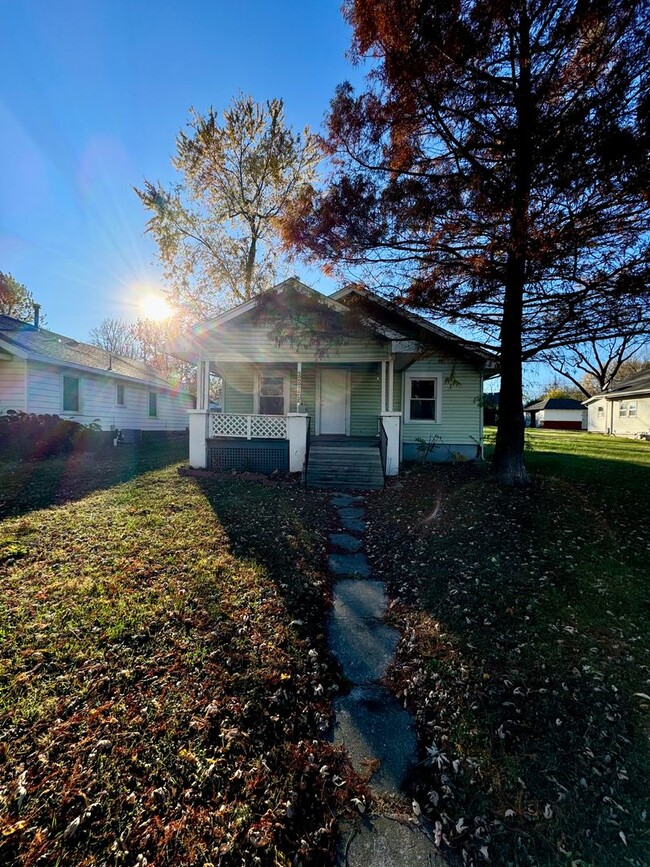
column 383, row 387
column 198, row 435
column 206, row 399
column 298, row 386
column 202, row 384
column 297, row 423
column 392, row 422
column 391, row 382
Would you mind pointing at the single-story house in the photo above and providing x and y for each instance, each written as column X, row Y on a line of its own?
column 623, row 410
column 303, row 390
column 561, row 413
column 48, row 374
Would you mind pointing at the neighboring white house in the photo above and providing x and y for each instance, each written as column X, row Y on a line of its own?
column 623, row 410
column 561, row 413
column 46, row 373
column 347, row 411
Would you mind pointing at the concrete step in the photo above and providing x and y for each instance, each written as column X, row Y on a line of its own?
column 345, row 468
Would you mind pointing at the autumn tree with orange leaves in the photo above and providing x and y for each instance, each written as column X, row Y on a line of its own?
column 494, row 172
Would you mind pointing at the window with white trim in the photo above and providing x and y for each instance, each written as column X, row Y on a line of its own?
column 71, row 394
column 119, row 394
column 153, row 404
column 601, row 412
column 271, row 396
column 622, row 409
column 421, row 398
column 631, row 409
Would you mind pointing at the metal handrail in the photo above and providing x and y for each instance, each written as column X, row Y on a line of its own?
column 383, row 445
column 308, row 445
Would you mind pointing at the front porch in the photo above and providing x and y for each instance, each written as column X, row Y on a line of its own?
column 336, row 406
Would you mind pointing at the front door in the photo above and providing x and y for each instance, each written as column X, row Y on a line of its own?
column 333, row 401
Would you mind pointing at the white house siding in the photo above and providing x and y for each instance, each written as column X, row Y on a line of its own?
column 98, row 396
column 630, row 426
column 12, row 385
column 458, row 431
column 549, row 417
column 596, row 424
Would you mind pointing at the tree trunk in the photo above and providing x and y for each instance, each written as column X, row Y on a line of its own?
column 509, row 449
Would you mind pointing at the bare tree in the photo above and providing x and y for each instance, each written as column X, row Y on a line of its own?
column 600, row 362
column 116, row 336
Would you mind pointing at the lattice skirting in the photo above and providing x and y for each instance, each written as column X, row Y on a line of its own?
column 253, row 456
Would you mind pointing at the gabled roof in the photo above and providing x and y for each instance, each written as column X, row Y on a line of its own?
column 39, row 344
column 387, row 320
column 637, row 384
column 416, row 326
column 554, row 403
column 292, row 283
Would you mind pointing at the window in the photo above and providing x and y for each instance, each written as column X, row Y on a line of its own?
column 631, row 409
column 70, row 394
column 622, row 409
column 421, row 398
column 601, row 412
column 119, row 394
column 271, row 395
column 153, row 404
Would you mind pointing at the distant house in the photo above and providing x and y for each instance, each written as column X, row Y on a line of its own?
column 561, row 413
column 399, row 388
column 46, row 373
column 623, row 410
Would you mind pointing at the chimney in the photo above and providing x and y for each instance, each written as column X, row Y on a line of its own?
column 37, row 314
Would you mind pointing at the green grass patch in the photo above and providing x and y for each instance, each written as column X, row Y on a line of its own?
column 527, row 651
column 164, row 676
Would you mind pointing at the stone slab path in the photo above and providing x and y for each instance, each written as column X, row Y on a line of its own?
column 378, row 734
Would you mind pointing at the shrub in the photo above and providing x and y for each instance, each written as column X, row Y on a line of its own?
column 26, row 436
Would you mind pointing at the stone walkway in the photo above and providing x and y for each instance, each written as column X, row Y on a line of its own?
column 376, row 731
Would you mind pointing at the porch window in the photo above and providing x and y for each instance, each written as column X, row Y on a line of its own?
column 271, row 395
column 70, row 394
column 422, row 398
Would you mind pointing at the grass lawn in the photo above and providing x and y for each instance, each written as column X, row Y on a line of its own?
column 525, row 651
column 164, row 682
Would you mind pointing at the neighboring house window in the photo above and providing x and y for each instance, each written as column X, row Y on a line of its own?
column 153, row 404
column 422, row 398
column 271, row 395
column 601, row 412
column 622, row 409
column 631, row 408
column 70, row 394
column 119, row 394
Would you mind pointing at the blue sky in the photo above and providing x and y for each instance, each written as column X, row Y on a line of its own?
column 93, row 96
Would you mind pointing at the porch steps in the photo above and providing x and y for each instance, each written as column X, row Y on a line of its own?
column 344, row 467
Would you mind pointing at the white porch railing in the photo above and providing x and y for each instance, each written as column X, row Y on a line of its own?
column 248, row 426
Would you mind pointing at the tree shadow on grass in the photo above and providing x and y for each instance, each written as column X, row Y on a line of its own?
column 278, row 528
column 29, row 485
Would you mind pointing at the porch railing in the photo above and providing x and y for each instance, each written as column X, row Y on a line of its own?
column 272, row 427
column 383, row 445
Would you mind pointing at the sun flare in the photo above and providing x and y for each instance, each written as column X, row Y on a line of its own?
column 155, row 307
